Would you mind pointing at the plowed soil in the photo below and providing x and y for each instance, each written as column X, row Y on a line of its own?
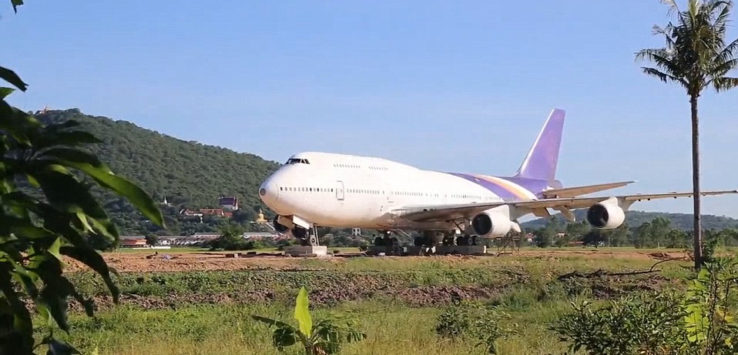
column 163, row 261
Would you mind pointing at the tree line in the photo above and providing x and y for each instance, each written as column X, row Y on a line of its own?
column 657, row 233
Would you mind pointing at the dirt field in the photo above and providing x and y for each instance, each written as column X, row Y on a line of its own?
column 148, row 261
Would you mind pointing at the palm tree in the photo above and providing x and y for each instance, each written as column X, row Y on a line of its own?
column 695, row 57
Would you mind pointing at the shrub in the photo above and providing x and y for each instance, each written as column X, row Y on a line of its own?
column 644, row 324
column 697, row 322
column 473, row 321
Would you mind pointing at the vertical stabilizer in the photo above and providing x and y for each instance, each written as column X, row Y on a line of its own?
column 540, row 163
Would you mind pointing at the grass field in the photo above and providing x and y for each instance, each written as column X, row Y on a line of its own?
column 395, row 300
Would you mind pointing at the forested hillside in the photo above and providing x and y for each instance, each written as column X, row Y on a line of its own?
column 189, row 174
column 193, row 175
column 681, row 221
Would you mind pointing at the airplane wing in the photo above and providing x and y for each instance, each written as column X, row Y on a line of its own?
column 582, row 190
column 451, row 212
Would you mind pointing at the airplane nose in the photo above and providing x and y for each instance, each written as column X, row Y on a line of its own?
column 269, row 192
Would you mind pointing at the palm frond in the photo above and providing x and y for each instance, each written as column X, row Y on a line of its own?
column 723, row 68
column 724, row 83
column 673, row 7
column 727, row 52
column 664, row 76
column 695, row 54
column 662, row 59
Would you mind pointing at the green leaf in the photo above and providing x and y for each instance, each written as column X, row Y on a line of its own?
column 96, row 262
column 65, row 193
column 302, row 313
column 89, row 164
column 4, row 92
column 284, row 337
column 270, row 322
column 9, row 75
column 54, row 249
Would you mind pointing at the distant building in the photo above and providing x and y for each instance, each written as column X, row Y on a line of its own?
column 217, row 212
column 260, row 235
column 229, row 203
column 190, row 214
column 198, row 239
column 133, row 241
column 356, row 232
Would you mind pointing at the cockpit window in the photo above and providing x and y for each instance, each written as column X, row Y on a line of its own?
column 296, row 161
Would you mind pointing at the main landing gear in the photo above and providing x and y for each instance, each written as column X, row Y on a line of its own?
column 432, row 239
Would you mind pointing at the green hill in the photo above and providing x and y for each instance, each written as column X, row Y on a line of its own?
column 189, row 174
column 634, row 219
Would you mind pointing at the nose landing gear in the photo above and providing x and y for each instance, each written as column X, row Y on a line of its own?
column 307, row 237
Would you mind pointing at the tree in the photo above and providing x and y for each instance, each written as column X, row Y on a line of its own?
column 618, row 236
column 575, row 231
column 231, row 238
column 594, row 237
column 323, row 337
column 695, row 57
column 152, row 239
column 544, row 237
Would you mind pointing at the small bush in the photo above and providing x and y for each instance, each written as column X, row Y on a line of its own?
column 645, row 324
column 473, row 321
column 700, row 321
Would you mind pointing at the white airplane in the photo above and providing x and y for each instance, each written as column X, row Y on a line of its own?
column 336, row 190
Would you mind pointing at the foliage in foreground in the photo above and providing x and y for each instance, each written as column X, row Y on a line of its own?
column 54, row 214
column 470, row 320
column 324, row 337
column 699, row 322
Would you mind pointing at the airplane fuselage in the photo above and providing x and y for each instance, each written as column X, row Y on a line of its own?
column 337, row 190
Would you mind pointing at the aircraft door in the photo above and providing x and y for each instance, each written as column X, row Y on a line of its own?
column 388, row 194
column 339, row 190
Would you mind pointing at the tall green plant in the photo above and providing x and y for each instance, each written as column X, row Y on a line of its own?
column 696, row 57
column 700, row 321
column 324, row 337
column 709, row 320
column 47, row 212
column 646, row 324
column 471, row 320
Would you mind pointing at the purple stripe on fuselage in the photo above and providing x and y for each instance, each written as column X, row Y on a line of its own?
column 533, row 185
column 494, row 188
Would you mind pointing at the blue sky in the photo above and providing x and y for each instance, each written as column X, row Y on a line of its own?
column 444, row 85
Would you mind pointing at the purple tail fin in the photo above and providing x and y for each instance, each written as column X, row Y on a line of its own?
column 540, row 163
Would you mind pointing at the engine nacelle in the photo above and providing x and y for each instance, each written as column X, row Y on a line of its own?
column 491, row 224
column 606, row 215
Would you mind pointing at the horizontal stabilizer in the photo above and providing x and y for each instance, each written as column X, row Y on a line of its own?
column 582, row 190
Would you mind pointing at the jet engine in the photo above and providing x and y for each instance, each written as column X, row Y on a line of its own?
column 606, row 215
column 491, row 223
